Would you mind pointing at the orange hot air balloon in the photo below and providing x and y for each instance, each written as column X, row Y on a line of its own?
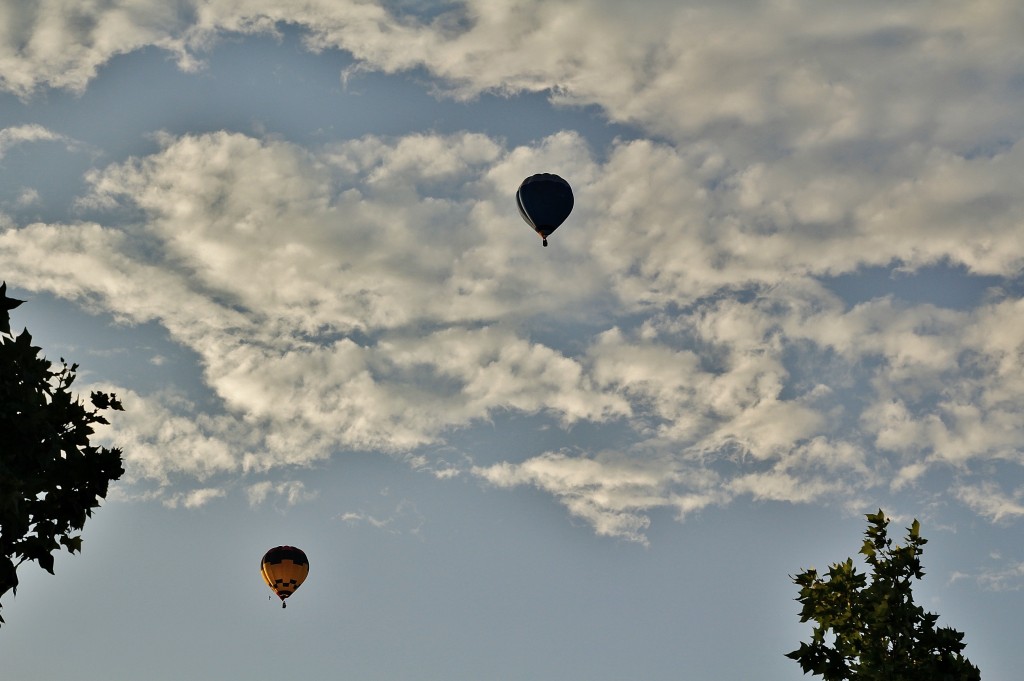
column 284, row 568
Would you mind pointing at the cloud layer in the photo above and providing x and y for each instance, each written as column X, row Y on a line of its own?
column 803, row 74
column 380, row 293
column 376, row 294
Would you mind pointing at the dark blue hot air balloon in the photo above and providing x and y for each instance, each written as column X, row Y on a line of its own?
column 544, row 201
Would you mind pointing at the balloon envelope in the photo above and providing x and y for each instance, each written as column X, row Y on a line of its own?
column 544, row 201
column 284, row 568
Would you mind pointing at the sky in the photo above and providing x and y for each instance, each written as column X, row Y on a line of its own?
column 284, row 233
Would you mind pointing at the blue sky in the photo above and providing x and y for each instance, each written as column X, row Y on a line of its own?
column 285, row 234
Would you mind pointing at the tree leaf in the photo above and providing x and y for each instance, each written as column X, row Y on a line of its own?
column 6, row 305
column 73, row 544
column 46, row 562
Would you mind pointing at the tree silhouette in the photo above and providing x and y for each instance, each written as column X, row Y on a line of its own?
column 875, row 632
column 50, row 476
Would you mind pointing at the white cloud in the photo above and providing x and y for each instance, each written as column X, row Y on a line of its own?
column 61, row 43
column 404, row 518
column 291, row 491
column 165, row 436
column 195, row 498
column 27, row 197
column 610, row 492
column 989, row 500
column 21, row 134
column 1009, row 578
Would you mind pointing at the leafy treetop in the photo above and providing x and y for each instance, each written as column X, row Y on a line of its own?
column 873, row 631
column 51, row 477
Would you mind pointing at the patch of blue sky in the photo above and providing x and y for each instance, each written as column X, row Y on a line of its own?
column 39, row 180
column 943, row 285
column 425, row 10
column 107, row 351
column 573, row 331
column 514, row 436
column 809, row 365
column 275, row 85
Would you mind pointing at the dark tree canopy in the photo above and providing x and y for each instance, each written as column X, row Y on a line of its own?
column 874, row 631
column 50, row 476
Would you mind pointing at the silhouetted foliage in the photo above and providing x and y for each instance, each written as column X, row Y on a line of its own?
column 874, row 631
column 50, row 476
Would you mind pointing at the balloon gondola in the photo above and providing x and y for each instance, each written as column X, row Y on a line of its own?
column 544, row 201
column 284, row 568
